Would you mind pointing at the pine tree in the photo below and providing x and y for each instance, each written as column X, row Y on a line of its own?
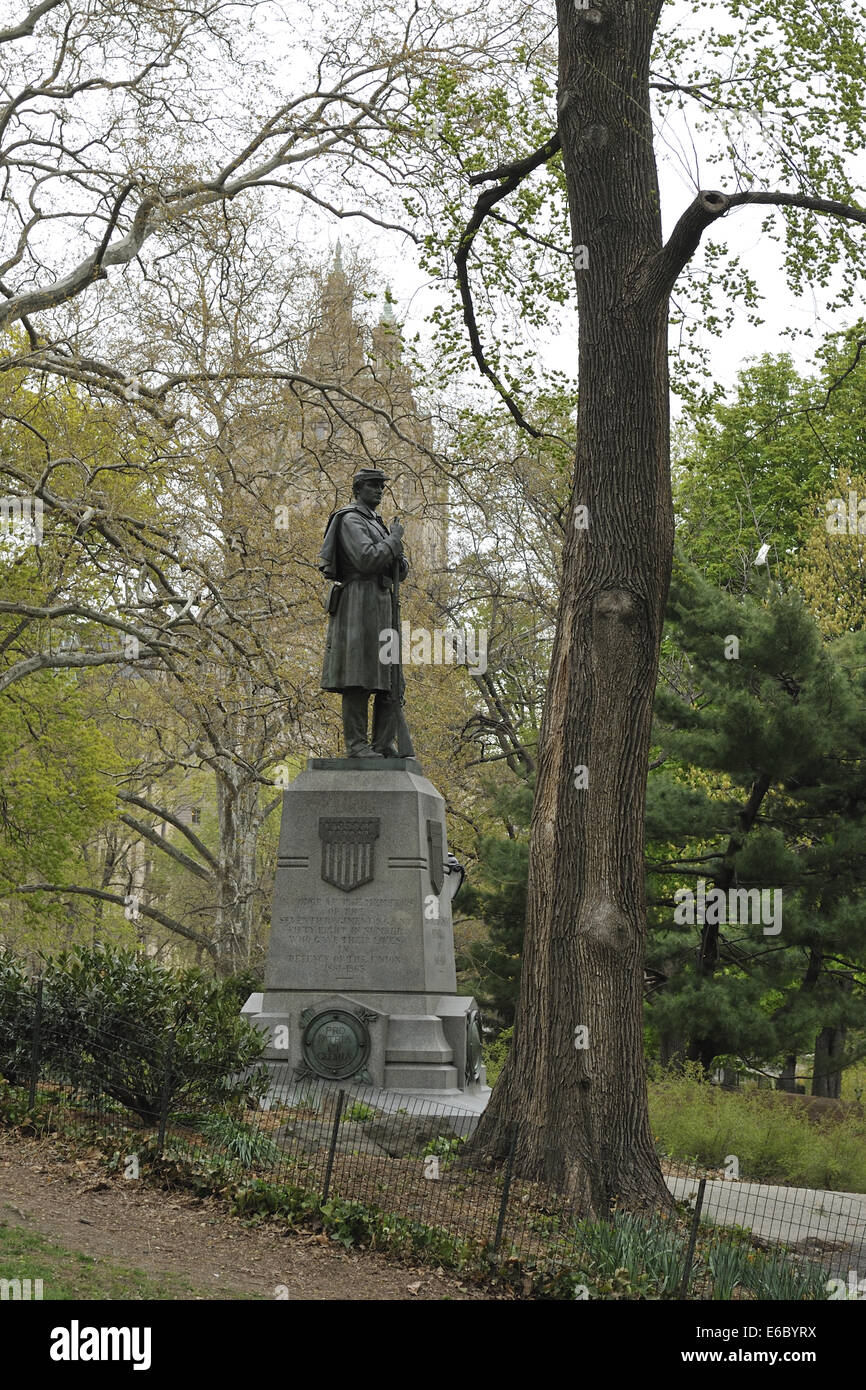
column 763, row 787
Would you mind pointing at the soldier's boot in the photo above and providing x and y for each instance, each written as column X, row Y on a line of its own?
column 391, row 737
column 355, row 700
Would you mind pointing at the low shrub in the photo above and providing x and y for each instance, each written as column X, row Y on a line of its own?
column 115, row 1023
column 694, row 1120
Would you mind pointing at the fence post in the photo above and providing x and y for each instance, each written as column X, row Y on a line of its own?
column 341, row 1096
column 693, row 1235
column 166, row 1094
column 35, row 1045
column 506, row 1187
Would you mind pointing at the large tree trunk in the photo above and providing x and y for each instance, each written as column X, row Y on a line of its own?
column 582, row 1112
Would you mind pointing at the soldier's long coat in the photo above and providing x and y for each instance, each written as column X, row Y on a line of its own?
column 364, row 550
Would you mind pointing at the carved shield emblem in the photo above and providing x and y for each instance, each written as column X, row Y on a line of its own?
column 436, row 854
column 348, row 844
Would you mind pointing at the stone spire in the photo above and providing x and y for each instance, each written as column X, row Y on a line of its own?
column 336, row 348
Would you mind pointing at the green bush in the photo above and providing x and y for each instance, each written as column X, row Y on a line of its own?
column 16, row 1021
column 239, row 987
column 117, row 1024
column 495, row 1054
column 359, row 1113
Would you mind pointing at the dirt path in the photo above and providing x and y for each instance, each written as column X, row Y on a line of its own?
column 70, row 1200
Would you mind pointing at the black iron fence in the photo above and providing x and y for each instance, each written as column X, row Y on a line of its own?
column 398, row 1173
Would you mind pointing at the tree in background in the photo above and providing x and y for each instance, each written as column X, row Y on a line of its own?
column 497, row 894
column 750, row 471
column 763, row 788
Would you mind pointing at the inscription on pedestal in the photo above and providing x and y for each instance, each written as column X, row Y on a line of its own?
column 340, row 940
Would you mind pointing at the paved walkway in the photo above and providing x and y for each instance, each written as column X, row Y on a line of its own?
column 813, row 1222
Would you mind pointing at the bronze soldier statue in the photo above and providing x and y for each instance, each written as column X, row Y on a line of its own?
column 366, row 562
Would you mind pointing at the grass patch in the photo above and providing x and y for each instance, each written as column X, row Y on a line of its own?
column 694, row 1120
column 68, row 1275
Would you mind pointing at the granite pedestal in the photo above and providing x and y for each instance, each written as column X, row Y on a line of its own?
column 360, row 984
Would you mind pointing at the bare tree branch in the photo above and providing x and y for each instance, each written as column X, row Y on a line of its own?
column 29, row 22
column 170, row 923
column 512, row 176
column 163, row 814
column 66, row 661
column 707, row 208
column 148, row 833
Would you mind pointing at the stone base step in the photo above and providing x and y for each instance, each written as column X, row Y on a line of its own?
column 409, row 1076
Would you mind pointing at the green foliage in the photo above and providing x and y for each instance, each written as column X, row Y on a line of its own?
column 359, row 1112
column 354, row 1223
column 258, row 1198
column 790, row 708
column 114, row 1022
column 748, row 469
column 772, row 1277
column 630, row 1255
column 444, row 1146
column 16, row 1020
column 497, row 894
column 240, row 986
column 249, row 1146
column 495, row 1054
column 730, row 1265
column 56, row 790
column 773, row 1141
column 761, row 788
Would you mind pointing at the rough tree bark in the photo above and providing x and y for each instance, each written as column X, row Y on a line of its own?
column 583, row 1111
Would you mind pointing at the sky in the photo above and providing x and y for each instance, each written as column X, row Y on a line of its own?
column 686, row 163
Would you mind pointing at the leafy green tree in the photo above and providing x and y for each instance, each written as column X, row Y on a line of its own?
column 748, row 471
column 57, row 793
column 830, row 568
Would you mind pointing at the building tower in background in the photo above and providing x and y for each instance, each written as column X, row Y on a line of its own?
column 330, row 441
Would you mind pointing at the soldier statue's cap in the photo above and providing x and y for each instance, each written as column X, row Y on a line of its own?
column 370, row 475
